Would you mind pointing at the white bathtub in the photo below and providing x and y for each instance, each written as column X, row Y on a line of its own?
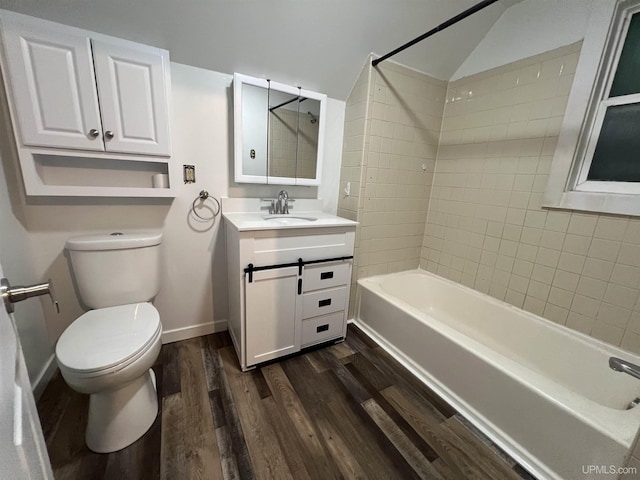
column 542, row 392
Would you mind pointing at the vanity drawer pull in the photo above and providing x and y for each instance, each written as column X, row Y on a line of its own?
column 321, row 276
column 322, row 302
column 323, row 328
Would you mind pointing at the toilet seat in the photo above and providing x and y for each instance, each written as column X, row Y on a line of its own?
column 108, row 339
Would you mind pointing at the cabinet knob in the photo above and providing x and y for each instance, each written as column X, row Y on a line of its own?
column 108, row 134
column 93, row 133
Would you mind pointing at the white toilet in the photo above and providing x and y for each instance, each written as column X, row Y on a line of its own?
column 108, row 351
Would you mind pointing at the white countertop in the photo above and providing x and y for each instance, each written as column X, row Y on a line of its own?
column 244, row 221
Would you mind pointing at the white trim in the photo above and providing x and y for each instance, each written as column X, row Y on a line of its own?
column 599, row 186
column 42, row 379
column 192, row 331
column 581, row 110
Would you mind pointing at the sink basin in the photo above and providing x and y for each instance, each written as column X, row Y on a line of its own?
column 289, row 219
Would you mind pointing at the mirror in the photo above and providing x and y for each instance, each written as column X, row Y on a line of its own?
column 278, row 132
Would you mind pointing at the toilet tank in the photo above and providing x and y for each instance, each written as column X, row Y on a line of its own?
column 116, row 268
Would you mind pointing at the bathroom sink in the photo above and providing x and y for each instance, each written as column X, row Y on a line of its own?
column 289, row 219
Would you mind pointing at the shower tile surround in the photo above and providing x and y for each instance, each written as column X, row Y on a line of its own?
column 392, row 125
column 481, row 198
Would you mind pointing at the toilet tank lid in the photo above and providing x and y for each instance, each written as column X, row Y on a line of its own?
column 114, row 241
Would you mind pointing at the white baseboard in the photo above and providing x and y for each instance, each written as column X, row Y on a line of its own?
column 177, row 334
column 44, row 376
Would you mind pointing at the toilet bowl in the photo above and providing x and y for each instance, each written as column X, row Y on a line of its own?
column 108, row 353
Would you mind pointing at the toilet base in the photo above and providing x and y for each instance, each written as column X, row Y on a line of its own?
column 117, row 418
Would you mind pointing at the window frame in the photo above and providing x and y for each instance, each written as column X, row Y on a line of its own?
column 567, row 186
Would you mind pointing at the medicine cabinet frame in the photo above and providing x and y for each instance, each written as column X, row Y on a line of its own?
column 241, row 175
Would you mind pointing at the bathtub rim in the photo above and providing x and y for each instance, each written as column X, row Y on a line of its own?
column 503, row 440
column 582, row 337
column 497, row 359
column 601, row 345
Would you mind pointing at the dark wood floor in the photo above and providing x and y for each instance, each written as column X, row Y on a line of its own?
column 343, row 411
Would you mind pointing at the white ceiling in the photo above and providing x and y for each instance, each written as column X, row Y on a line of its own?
column 318, row 44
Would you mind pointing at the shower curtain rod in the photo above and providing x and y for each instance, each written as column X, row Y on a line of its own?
column 302, row 99
column 439, row 28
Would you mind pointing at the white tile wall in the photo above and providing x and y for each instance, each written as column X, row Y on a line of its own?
column 486, row 160
column 486, row 227
column 405, row 118
column 353, row 151
column 389, row 156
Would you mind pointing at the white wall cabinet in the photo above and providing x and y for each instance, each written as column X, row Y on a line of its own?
column 277, row 310
column 71, row 91
column 83, row 96
column 53, row 85
column 133, row 100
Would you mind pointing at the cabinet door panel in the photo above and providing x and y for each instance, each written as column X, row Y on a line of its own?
column 132, row 88
column 52, row 80
column 270, row 301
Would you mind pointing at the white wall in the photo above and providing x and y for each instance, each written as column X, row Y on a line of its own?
column 17, row 265
column 194, row 291
column 528, row 28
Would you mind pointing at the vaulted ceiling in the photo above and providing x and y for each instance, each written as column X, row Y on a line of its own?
column 318, row 44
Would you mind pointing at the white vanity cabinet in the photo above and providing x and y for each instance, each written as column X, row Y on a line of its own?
column 288, row 287
column 90, row 113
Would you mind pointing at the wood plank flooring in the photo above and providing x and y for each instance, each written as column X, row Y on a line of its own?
column 342, row 411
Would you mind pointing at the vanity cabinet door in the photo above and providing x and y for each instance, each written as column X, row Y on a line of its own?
column 52, row 79
column 133, row 92
column 270, row 301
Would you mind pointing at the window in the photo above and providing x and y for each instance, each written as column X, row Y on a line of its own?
column 612, row 154
column 596, row 165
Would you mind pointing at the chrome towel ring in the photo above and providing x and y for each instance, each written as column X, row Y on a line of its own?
column 202, row 196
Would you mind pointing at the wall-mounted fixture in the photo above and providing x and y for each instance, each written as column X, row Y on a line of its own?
column 68, row 122
column 202, row 196
column 278, row 132
column 189, row 173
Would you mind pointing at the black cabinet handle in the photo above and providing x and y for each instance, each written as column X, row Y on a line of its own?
column 322, row 328
column 325, row 275
column 324, row 303
column 299, row 286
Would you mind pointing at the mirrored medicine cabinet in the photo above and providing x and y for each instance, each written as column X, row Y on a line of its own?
column 278, row 132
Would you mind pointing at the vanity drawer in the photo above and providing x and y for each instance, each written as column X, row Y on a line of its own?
column 326, row 275
column 323, row 302
column 320, row 329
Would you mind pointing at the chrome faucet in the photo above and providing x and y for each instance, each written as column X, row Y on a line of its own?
column 282, row 204
column 620, row 365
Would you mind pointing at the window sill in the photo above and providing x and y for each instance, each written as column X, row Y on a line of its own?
column 611, row 203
